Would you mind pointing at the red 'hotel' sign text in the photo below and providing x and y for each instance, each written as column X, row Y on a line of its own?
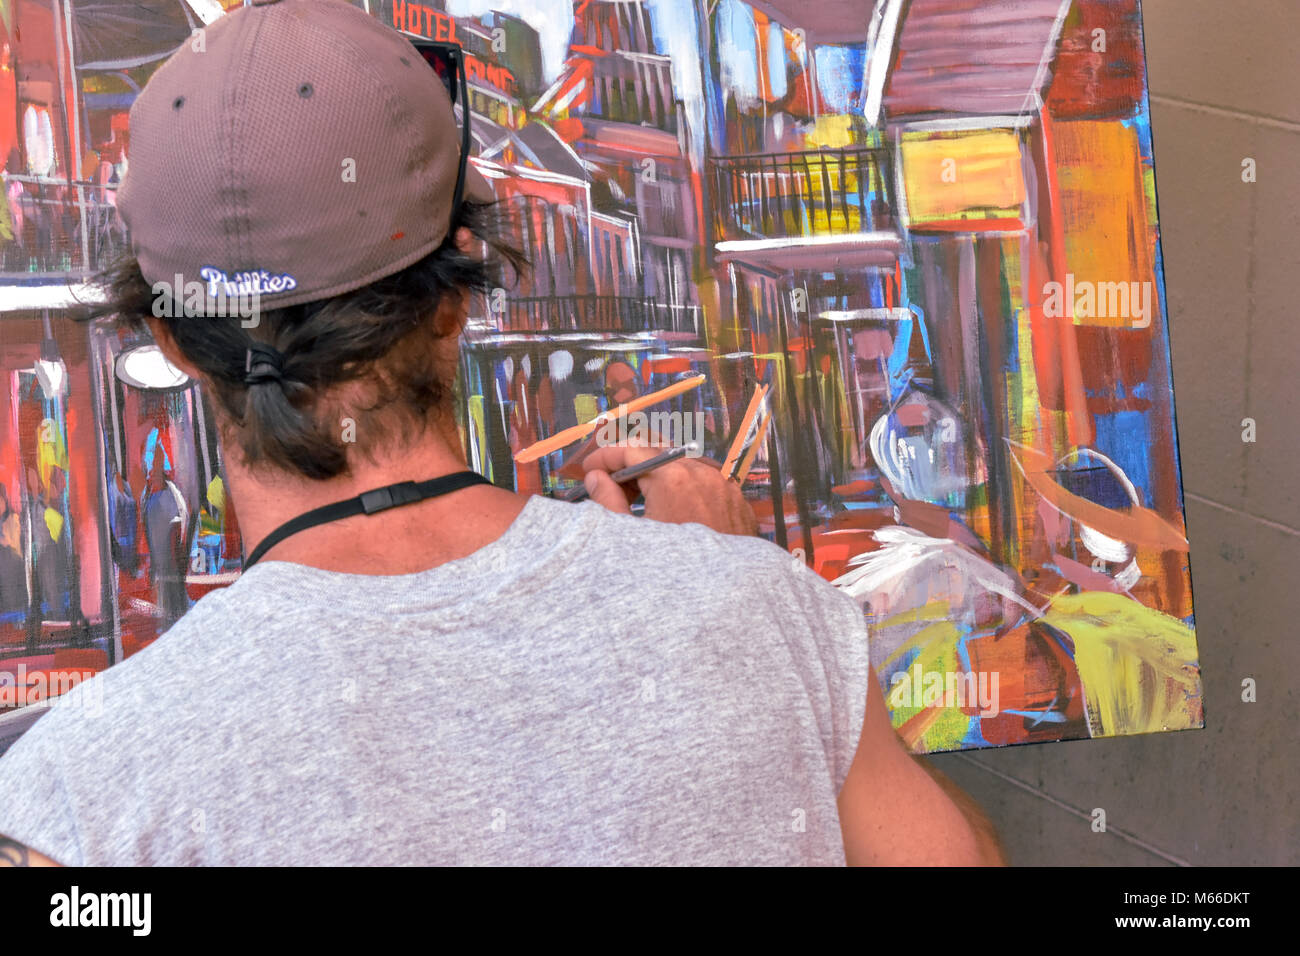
column 429, row 23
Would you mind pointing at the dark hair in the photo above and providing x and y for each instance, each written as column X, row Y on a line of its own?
column 383, row 336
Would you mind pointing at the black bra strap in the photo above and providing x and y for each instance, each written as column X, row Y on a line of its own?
column 390, row 496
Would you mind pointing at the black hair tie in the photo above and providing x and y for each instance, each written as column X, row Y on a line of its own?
column 262, row 363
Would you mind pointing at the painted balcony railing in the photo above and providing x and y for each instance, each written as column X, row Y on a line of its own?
column 675, row 318
column 51, row 225
column 807, row 193
column 574, row 313
column 634, row 88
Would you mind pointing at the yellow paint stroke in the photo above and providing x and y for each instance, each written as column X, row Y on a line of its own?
column 51, row 450
column 1023, row 424
column 826, row 181
column 217, row 492
column 1138, row 666
column 974, row 174
column 930, row 611
column 53, row 523
column 585, row 406
column 833, row 131
column 478, row 429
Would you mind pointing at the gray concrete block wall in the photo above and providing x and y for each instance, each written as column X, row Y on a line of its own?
column 1224, row 87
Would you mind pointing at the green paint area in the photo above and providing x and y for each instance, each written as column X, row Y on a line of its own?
column 937, row 643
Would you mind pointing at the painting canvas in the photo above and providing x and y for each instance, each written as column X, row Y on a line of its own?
column 918, row 237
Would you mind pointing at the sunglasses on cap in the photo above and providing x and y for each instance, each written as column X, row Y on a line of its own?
column 448, row 61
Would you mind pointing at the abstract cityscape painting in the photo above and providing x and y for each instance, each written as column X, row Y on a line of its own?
column 924, row 232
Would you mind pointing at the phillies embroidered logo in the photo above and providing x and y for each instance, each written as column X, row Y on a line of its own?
column 257, row 282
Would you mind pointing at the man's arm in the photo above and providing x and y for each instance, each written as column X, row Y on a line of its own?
column 894, row 809
column 897, row 811
column 13, row 853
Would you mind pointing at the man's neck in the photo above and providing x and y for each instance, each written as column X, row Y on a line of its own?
column 400, row 540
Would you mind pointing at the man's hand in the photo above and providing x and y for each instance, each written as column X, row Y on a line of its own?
column 680, row 492
column 13, row 853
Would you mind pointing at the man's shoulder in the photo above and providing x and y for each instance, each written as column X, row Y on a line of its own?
column 179, row 641
column 694, row 561
column 139, row 694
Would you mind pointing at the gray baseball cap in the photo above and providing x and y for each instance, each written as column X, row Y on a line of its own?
column 299, row 148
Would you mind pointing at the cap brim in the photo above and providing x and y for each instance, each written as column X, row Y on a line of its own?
column 477, row 188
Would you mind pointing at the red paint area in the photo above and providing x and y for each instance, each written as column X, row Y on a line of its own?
column 1091, row 82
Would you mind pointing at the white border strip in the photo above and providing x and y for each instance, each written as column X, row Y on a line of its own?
column 55, row 295
column 964, row 124
column 805, row 242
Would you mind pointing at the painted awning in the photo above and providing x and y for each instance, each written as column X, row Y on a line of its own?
column 971, row 56
column 939, row 57
column 120, row 34
column 826, row 21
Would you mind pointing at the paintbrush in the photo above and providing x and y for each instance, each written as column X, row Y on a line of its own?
column 745, row 432
column 567, row 437
column 633, row 472
column 742, row 469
